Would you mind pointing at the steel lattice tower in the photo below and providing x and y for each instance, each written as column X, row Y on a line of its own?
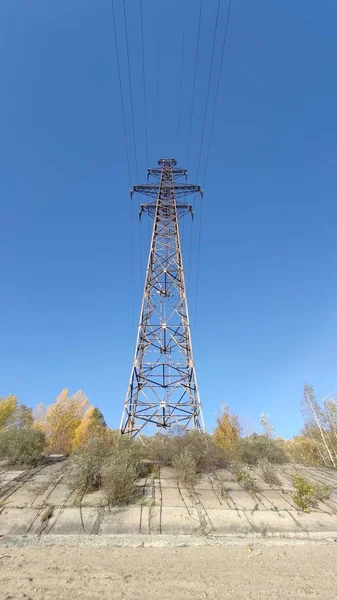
column 163, row 387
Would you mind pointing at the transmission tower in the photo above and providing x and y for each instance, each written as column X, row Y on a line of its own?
column 163, row 387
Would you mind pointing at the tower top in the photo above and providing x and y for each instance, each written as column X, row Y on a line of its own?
column 171, row 161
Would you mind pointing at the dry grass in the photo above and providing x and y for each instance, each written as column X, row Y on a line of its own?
column 155, row 471
column 119, row 476
column 185, row 467
column 222, row 484
column 88, row 462
column 248, row 482
column 322, row 492
column 268, row 472
column 47, row 514
column 164, row 450
column 111, row 462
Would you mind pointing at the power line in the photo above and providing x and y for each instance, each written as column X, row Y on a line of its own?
column 209, row 85
column 157, row 74
column 130, row 87
column 190, row 253
column 207, row 155
column 204, row 121
column 217, row 87
column 121, row 91
column 180, row 100
column 190, row 126
column 144, row 87
column 127, row 158
column 194, row 80
column 140, row 257
column 132, row 109
column 181, row 77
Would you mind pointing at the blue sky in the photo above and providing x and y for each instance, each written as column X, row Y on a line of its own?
column 264, row 312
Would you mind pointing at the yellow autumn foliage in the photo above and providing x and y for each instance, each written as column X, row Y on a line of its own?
column 91, row 424
column 8, row 407
column 39, row 417
column 60, row 420
column 303, row 450
column 228, row 429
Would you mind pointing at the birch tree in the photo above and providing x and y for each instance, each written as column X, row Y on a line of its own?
column 315, row 422
column 7, row 408
column 60, row 420
column 266, row 425
column 228, row 429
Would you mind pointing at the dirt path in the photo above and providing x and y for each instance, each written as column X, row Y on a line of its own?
column 246, row 572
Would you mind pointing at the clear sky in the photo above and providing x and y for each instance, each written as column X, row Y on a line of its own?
column 72, row 251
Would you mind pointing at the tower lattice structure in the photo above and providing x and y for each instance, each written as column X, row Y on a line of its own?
column 163, row 389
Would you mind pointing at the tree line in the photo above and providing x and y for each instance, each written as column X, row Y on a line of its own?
column 66, row 425
column 315, row 445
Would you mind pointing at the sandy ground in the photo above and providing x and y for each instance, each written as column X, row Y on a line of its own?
column 246, row 572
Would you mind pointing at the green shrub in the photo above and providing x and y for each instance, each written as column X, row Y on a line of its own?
column 322, row 492
column 186, row 467
column 87, row 463
column 268, row 472
column 158, row 448
column 108, row 460
column 247, row 481
column 22, row 446
column 307, row 494
column 155, row 471
column 164, row 449
column 257, row 447
column 120, row 472
column 304, row 496
column 206, row 453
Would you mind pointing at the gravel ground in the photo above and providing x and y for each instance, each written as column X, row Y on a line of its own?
column 251, row 571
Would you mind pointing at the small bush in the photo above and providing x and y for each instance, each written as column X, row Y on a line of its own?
column 257, row 447
column 185, row 466
column 120, row 472
column 47, row 514
column 268, row 472
column 206, row 453
column 322, row 492
column 88, row 462
column 155, row 471
column 107, row 460
column 307, row 494
column 22, row 446
column 164, row 449
column 304, row 450
column 247, row 481
column 158, row 448
column 304, row 496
